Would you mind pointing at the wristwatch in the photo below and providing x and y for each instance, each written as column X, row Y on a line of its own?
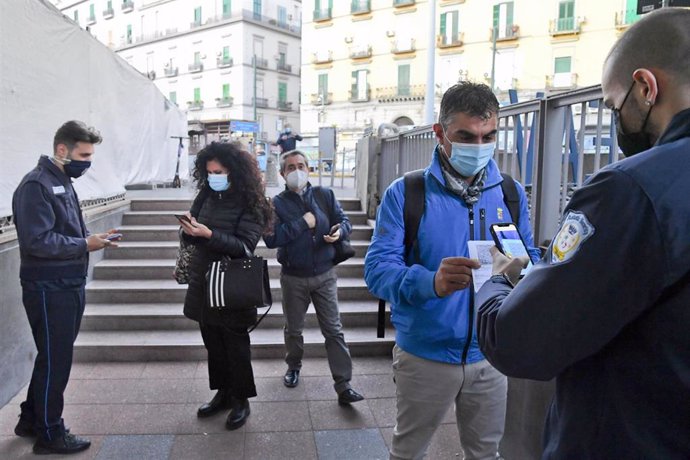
column 502, row 278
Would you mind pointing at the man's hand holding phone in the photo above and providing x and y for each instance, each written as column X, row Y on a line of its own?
column 333, row 234
column 454, row 274
column 103, row 240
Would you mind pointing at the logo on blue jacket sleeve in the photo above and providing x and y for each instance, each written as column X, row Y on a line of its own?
column 574, row 231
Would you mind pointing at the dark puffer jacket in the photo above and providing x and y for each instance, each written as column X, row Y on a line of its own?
column 233, row 227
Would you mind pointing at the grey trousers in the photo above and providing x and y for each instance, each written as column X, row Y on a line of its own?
column 322, row 290
column 426, row 390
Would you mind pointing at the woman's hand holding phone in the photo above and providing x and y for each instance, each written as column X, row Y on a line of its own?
column 192, row 227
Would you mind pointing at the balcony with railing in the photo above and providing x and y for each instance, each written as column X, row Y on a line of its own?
column 262, row 102
column 360, row 52
column 565, row 26
column 509, row 32
column 195, row 105
column 261, row 63
column 91, row 20
column 322, row 57
column 360, row 96
column 281, row 66
column 108, row 13
column 360, row 6
column 561, row 81
column 323, row 14
column 196, row 67
column 450, row 40
column 403, row 45
column 127, row 6
column 400, row 3
column 224, row 102
column 404, row 93
column 170, row 71
column 195, row 24
column 224, row 61
column 284, row 106
column 321, row 98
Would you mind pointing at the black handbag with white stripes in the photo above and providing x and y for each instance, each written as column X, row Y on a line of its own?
column 239, row 284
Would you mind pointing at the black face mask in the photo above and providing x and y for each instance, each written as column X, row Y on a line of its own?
column 77, row 168
column 632, row 143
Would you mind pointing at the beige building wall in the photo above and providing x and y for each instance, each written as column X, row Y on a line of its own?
column 525, row 58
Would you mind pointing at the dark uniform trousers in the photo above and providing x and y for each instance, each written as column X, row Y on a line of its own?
column 229, row 359
column 54, row 309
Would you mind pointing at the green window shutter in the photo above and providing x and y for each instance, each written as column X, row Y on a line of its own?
column 76, row 16
column 197, row 58
column 497, row 15
column 173, row 97
column 197, row 94
column 404, row 80
column 226, row 53
column 443, row 24
column 631, row 11
column 226, row 7
column 110, row 4
column 197, row 15
column 226, row 90
column 323, row 84
column 455, row 25
column 317, row 5
column 354, row 84
column 129, row 31
column 282, row 91
column 92, row 11
column 509, row 13
column 562, row 64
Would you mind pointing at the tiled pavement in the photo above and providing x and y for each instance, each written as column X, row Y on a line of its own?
column 147, row 411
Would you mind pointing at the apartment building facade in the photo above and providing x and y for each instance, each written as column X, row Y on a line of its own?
column 219, row 60
column 364, row 62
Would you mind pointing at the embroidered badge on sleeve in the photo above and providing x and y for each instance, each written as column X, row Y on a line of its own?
column 573, row 232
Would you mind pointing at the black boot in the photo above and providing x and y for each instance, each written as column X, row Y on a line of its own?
column 238, row 414
column 65, row 444
column 219, row 402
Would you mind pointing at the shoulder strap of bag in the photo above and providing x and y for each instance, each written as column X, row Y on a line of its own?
column 413, row 209
column 511, row 197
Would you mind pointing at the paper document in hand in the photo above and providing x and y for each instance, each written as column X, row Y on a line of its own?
column 480, row 250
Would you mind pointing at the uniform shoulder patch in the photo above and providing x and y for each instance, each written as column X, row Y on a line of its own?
column 574, row 231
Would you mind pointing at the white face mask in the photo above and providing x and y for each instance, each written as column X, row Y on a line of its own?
column 297, row 179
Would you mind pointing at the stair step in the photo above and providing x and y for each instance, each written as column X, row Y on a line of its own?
column 149, row 269
column 167, row 217
column 168, row 250
column 160, row 232
column 168, row 316
column 168, row 204
column 158, row 291
column 187, row 345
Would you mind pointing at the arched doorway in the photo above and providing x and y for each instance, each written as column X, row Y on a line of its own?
column 403, row 121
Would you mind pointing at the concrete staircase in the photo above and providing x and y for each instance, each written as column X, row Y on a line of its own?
column 134, row 307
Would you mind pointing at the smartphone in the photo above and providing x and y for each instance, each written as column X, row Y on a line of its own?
column 334, row 229
column 184, row 218
column 113, row 236
column 509, row 241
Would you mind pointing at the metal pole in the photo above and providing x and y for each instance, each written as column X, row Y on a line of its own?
column 254, row 71
column 430, row 65
column 493, row 56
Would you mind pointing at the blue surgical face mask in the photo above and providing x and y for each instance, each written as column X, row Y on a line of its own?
column 218, row 182
column 469, row 159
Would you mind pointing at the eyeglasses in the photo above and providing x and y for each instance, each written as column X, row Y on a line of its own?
column 617, row 111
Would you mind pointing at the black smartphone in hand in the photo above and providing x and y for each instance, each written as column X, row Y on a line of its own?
column 184, row 218
column 334, row 230
column 113, row 236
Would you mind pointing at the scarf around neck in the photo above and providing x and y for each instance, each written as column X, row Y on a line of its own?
column 470, row 193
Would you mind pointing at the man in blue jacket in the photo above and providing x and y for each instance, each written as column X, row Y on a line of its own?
column 308, row 221
column 436, row 359
column 607, row 312
column 53, row 247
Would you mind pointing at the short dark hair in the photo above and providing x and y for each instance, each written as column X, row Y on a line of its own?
column 76, row 131
column 661, row 39
column 473, row 99
column 289, row 154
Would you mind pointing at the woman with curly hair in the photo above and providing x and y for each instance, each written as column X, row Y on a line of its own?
column 227, row 218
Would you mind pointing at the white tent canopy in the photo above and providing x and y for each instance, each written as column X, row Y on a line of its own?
column 52, row 71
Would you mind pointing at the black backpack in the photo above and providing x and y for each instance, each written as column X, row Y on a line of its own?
column 413, row 211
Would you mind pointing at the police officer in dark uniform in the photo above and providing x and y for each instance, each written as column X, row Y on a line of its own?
column 607, row 312
column 54, row 246
column 288, row 140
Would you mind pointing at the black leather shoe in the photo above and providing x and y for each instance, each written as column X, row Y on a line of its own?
column 219, row 402
column 24, row 429
column 349, row 396
column 238, row 414
column 65, row 444
column 291, row 378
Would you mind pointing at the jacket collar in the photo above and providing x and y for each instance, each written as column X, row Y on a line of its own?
column 493, row 175
column 48, row 164
column 677, row 129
